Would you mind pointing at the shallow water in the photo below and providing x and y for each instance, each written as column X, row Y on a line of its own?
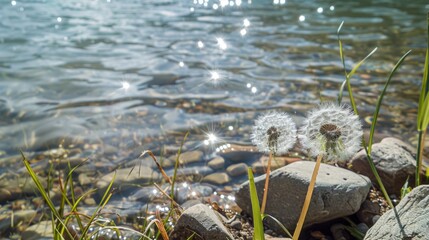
column 139, row 74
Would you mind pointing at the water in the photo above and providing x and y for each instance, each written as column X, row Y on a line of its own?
column 139, row 74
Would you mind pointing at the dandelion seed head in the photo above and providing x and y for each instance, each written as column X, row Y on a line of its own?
column 274, row 132
column 333, row 131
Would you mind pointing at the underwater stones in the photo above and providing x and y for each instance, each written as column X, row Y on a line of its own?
column 39, row 230
column 413, row 216
column 202, row 220
column 13, row 186
column 240, row 153
column 216, row 163
column 127, row 177
column 189, row 157
column 237, row 169
column 217, row 178
column 394, row 162
column 338, row 193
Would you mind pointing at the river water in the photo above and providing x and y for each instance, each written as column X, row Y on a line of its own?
column 139, row 74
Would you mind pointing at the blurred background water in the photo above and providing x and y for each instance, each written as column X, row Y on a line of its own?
column 139, row 74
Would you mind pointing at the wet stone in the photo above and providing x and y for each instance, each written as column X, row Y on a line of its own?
column 237, row 169
column 38, row 231
column 189, row 157
column 127, row 178
column 217, row 178
column 240, row 153
column 217, row 163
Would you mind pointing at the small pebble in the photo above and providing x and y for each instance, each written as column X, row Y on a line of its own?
column 237, row 225
column 362, row 227
column 375, row 219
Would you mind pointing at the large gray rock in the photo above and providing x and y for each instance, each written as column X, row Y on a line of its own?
column 394, row 160
column 338, row 193
column 413, row 213
column 202, row 220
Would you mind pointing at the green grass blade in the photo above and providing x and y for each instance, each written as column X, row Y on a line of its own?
column 380, row 100
column 357, row 66
column 106, row 197
column 340, row 44
column 340, row 93
column 256, row 211
column 423, row 91
column 278, row 223
column 45, row 196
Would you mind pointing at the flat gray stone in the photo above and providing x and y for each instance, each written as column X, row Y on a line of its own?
column 393, row 160
column 413, row 212
column 189, row 157
column 237, row 169
column 217, row 178
column 39, row 230
column 338, row 193
column 216, row 163
column 202, row 220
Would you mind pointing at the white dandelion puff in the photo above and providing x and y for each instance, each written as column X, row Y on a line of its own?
column 274, row 132
column 333, row 131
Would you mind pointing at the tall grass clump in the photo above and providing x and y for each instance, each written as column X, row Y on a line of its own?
column 367, row 147
column 423, row 112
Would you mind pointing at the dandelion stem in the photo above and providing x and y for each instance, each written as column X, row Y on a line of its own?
column 307, row 200
column 267, row 181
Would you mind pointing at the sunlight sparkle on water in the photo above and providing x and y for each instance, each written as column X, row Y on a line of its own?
column 181, row 64
column 301, row 18
column 211, row 139
column 320, row 10
column 215, row 6
column 221, row 43
column 238, row 2
column 214, row 75
column 191, row 9
column 13, row 3
column 332, row 8
column 243, row 32
column 125, row 85
column 246, row 22
column 59, row 19
column 224, row 3
column 248, row 85
column 230, row 128
column 254, row 90
column 200, row 44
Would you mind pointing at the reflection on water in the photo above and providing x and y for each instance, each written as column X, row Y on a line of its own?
column 132, row 73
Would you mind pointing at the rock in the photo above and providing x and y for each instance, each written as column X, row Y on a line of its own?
column 411, row 221
column 126, row 178
column 202, row 220
column 277, row 162
column 240, row 153
column 393, row 161
column 38, row 231
column 12, row 186
column 20, row 216
column 338, row 193
column 237, row 169
column 84, row 179
column 236, row 225
column 339, row 232
column 367, row 212
column 189, row 157
column 217, row 178
column 217, row 163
